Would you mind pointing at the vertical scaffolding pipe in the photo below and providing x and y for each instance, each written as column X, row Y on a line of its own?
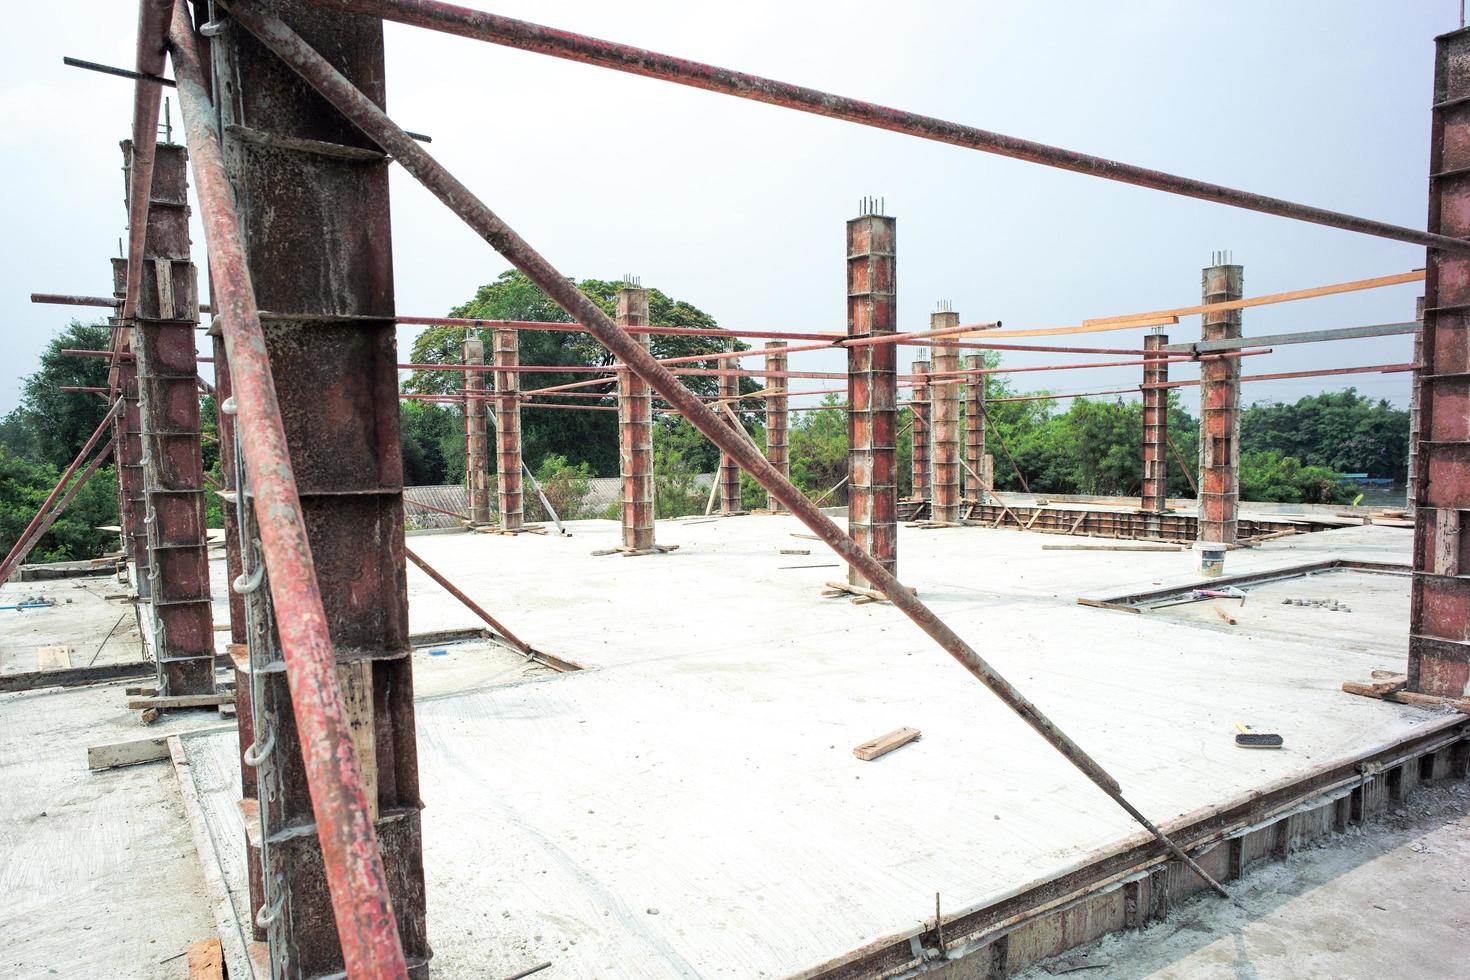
column 778, row 436
column 975, row 459
column 476, row 453
column 310, row 240
column 1439, row 610
column 921, row 407
column 635, row 431
column 945, row 432
column 729, row 475
column 872, row 391
column 1155, row 491
column 508, row 480
column 1219, row 443
column 166, row 311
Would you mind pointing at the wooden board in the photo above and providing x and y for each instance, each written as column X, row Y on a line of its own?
column 181, row 700
column 885, row 744
column 206, row 960
column 112, row 755
column 53, row 658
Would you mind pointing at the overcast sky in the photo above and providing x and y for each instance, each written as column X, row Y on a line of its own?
column 739, row 208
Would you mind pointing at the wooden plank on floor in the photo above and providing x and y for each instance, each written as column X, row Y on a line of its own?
column 181, row 700
column 884, row 744
column 112, row 755
column 207, row 960
column 53, row 658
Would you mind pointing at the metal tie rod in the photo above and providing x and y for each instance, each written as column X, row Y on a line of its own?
column 509, row 32
column 376, row 124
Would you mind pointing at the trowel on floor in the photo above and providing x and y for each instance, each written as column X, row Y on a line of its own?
column 1249, row 738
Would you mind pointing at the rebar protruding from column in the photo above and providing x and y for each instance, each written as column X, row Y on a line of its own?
column 922, row 410
column 1219, row 444
column 975, row 488
column 777, row 434
column 506, row 342
column 1155, row 489
column 872, row 392
column 729, row 475
column 635, row 432
column 944, row 434
column 476, row 449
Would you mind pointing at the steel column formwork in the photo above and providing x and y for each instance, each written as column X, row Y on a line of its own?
column 1155, row 494
column 1439, row 616
column 128, row 442
column 921, row 408
column 944, row 436
column 1219, row 442
column 975, row 458
column 1414, row 416
column 224, row 390
column 476, row 452
column 165, row 315
column 508, row 479
column 872, row 391
column 777, row 419
column 341, row 783
column 635, row 431
column 729, row 476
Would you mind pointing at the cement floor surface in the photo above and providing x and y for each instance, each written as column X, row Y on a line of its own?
column 690, row 806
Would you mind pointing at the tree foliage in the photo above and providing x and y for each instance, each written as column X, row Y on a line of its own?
column 1339, row 430
column 24, row 485
column 50, row 425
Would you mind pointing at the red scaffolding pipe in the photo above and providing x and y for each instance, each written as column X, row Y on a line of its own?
column 353, row 863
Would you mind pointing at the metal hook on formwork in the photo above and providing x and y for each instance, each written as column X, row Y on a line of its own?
column 247, row 582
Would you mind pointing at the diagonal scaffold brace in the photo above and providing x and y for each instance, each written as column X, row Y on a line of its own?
column 375, row 123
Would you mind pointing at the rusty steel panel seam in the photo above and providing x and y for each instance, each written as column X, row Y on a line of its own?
column 353, row 866
column 1439, row 611
column 373, row 121
column 508, row 480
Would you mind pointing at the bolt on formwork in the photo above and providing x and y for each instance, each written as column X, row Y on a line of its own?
column 777, row 419
column 128, row 433
column 872, row 391
column 338, row 779
column 508, row 479
column 165, row 314
column 977, row 472
column 1219, row 443
column 729, row 475
column 1155, row 492
column 1439, row 611
column 635, row 431
column 920, row 407
column 944, row 434
column 476, row 449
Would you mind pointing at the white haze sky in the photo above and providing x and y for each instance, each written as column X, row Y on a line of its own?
column 739, row 207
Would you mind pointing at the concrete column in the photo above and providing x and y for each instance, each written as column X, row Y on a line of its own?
column 729, row 475
column 508, row 477
column 182, row 625
column 1155, row 492
column 635, row 431
column 1219, row 393
column 331, row 340
column 921, row 407
column 476, row 452
column 777, row 426
column 944, row 434
column 872, row 391
column 975, row 429
column 1439, row 608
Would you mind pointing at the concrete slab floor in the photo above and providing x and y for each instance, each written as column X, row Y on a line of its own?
column 1391, row 901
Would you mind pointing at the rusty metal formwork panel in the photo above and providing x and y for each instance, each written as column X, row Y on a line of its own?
column 777, row 420
column 1219, row 397
column 224, row 390
column 944, row 435
column 1439, row 618
column 921, row 407
column 508, row 478
column 635, row 431
column 872, row 391
column 128, row 436
column 729, row 474
column 1414, row 395
column 476, row 450
column 313, row 199
column 172, row 465
column 974, row 428
column 1155, row 494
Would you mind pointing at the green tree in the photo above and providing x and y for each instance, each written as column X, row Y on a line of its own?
column 24, row 486
column 1267, row 475
column 51, row 425
column 1340, row 430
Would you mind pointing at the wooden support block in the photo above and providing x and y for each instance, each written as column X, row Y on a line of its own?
column 885, row 744
column 356, row 679
column 206, row 960
column 1376, row 689
column 161, row 701
column 1445, row 549
column 795, row 551
column 112, row 755
column 1224, row 615
column 136, row 691
column 53, row 658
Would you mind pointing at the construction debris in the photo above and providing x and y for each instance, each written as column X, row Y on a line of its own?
column 884, row 744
